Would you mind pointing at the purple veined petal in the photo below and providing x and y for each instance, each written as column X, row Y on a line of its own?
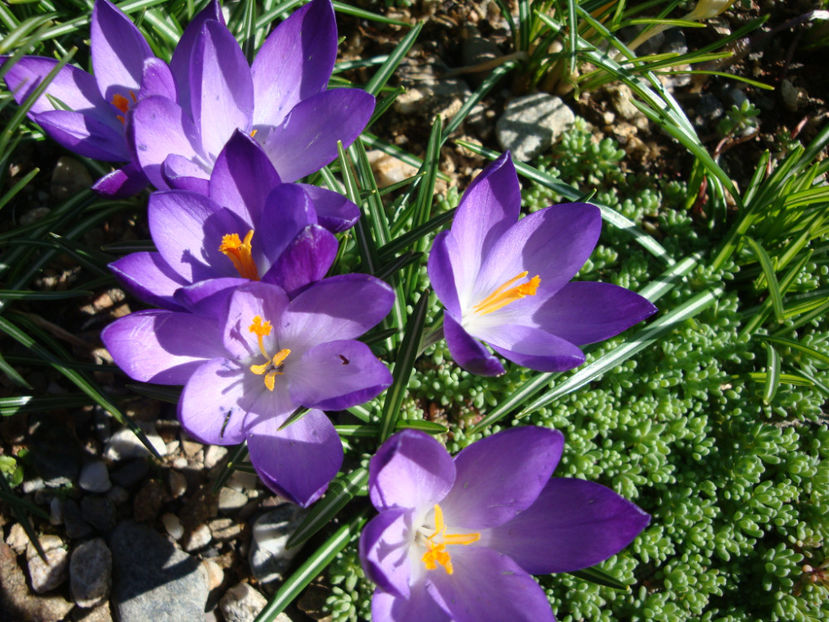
column 246, row 302
column 307, row 138
column 410, row 470
column 573, row 524
column 287, row 211
column 162, row 346
column 384, row 550
column 180, row 62
column 210, row 297
column 420, row 606
column 122, row 182
column 336, row 375
column 339, row 307
column 532, row 347
column 156, row 79
column 487, row 586
column 306, row 260
column 118, row 51
column 85, row 134
column 181, row 173
column 468, row 352
column 584, row 312
column 487, row 209
column 334, row 211
column 75, row 88
column 242, row 177
column 149, row 278
column 160, row 127
column 298, row 461
column 221, row 90
column 209, row 407
column 294, row 62
column 441, row 274
column 500, row 476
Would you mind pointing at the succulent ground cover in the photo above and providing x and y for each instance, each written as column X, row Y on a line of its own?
column 711, row 417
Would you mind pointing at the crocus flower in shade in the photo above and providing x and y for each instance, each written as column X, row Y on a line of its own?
column 281, row 100
column 248, row 360
column 247, row 226
column 505, row 281
column 458, row 539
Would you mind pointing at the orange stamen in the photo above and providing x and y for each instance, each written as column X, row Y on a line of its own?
column 505, row 294
column 239, row 252
column 272, row 367
column 437, row 553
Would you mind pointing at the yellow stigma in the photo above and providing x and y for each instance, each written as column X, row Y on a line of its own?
column 272, row 367
column 122, row 104
column 239, row 252
column 507, row 293
column 437, row 553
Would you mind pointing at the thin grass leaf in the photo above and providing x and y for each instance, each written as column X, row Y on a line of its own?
column 772, row 374
column 405, row 260
column 365, row 244
column 771, row 277
column 24, row 294
column 170, row 395
column 573, row 38
column 817, row 355
column 486, row 86
column 382, row 75
column 370, row 430
column 757, row 316
column 411, row 237
column 12, row 374
column 524, row 25
column 237, row 456
column 361, row 412
column 815, row 382
column 17, row 187
column 28, row 403
column 396, row 152
column 354, row 11
column 600, row 577
column 73, row 25
column 785, row 378
column 276, row 12
column 21, row 509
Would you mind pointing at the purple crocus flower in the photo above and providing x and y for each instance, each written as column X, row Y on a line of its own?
column 505, row 281
column 458, row 539
column 249, row 359
column 281, row 100
column 246, row 226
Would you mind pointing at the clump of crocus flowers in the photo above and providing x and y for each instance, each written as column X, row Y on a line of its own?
column 266, row 344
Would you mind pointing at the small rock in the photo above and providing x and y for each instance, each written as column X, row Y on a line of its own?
column 230, row 500
column 199, row 538
column 33, row 485
column 674, row 42
column 215, row 574
column 622, row 99
column 180, row 462
column 69, row 177
column 177, row 483
column 98, row 512
column 269, row 555
column 29, row 217
column 793, row 97
column 428, row 94
column 312, row 601
column 131, row 472
column 148, row 501
column 47, row 574
column 734, row 97
column 90, row 573
column 191, row 448
column 476, row 49
column 224, row 529
column 94, row 477
column 173, row 525
column 18, row 539
column 241, row 603
column 56, row 511
column 172, row 447
column 243, row 480
column 74, row 524
column 101, row 613
column 16, row 597
column 388, row 170
column 214, row 455
column 707, row 111
column 124, row 444
column 531, row 124
column 118, row 495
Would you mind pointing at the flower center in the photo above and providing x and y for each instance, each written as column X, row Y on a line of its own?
column 239, row 252
column 437, row 542
column 123, row 104
column 272, row 367
column 507, row 293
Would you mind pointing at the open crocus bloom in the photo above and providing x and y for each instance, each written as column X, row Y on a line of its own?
column 458, row 540
column 505, row 281
column 247, row 226
column 249, row 359
column 281, row 100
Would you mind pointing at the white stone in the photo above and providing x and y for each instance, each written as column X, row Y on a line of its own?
column 47, row 574
column 214, row 455
column 199, row 538
column 177, row 483
column 94, row 477
column 90, row 573
column 124, row 444
column 241, row 603
column 531, row 124
column 173, row 525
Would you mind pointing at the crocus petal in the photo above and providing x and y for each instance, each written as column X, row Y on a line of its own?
column 209, row 297
column 150, row 278
column 156, row 79
column 532, row 347
column 441, row 275
column 242, row 177
column 122, row 182
column 337, row 375
column 334, row 211
column 384, row 550
column 287, row 211
column 420, row 606
column 339, row 307
column 159, row 127
column 586, row 312
column 256, row 298
column 221, row 90
column 488, row 586
column 209, row 407
column 468, row 352
column 75, row 88
column 307, row 138
column 306, row 260
column 298, row 461
column 573, row 524
column 180, row 62
column 294, row 62
column 85, row 134
column 500, row 476
column 181, row 173
column 161, row 346
column 410, row 470
column 118, row 51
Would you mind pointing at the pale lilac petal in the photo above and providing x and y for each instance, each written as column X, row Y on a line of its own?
column 532, row 347
column 299, row 461
column 500, row 476
column 75, row 88
column 209, row 297
column 307, row 138
column 294, row 62
column 150, row 278
column 337, row 375
column 118, row 51
column 441, row 275
column 181, row 173
column 287, row 211
column 334, row 211
column 156, row 79
column 209, row 407
column 586, row 312
column 487, row 586
column 306, row 260
column 419, row 607
column 220, row 87
column 256, row 298
column 122, row 182
column 384, row 550
column 242, row 177
column 162, row 346
column 468, row 352
column 84, row 134
column 180, row 62
column 573, row 524
column 410, row 470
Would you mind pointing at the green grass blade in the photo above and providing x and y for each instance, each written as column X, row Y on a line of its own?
column 772, row 374
column 31, row 403
column 599, row 577
column 13, row 374
column 491, row 80
column 382, row 75
column 771, row 277
column 812, row 353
